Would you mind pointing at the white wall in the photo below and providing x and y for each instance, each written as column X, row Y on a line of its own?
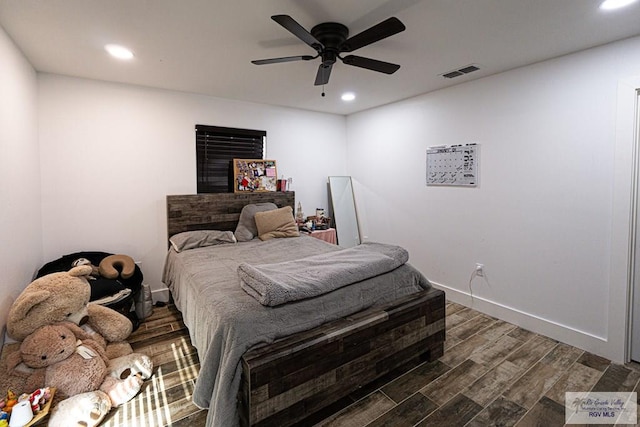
column 20, row 221
column 110, row 153
column 540, row 220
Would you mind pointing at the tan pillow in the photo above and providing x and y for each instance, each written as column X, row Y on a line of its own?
column 276, row 223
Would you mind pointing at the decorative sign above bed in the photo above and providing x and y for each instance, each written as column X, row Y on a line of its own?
column 453, row 165
column 254, row 175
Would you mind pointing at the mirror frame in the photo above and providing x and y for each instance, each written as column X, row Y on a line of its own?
column 345, row 214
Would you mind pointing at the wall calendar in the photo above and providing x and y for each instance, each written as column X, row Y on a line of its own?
column 453, row 165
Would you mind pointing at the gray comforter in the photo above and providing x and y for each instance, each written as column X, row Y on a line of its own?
column 224, row 321
column 282, row 282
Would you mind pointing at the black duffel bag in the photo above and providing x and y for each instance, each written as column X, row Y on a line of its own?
column 118, row 294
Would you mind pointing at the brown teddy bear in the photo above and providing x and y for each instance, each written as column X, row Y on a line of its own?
column 57, row 354
column 65, row 357
column 59, row 297
column 15, row 376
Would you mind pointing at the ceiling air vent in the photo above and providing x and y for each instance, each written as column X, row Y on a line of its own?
column 453, row 74
column 461, row 72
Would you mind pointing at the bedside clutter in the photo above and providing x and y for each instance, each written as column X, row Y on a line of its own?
column 313, row 223
column 328, row 235
column 318, row 226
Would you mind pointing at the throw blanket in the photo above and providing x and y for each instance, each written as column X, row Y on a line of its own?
column 275, row 284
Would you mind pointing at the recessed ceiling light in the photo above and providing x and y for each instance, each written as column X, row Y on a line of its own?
column 615, row 4
column 348, row 96
column 118, row 51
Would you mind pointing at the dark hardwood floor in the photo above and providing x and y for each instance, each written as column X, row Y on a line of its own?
column 165, row 399
column 492, row 374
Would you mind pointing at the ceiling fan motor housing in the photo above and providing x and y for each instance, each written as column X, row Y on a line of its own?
column 332, row 35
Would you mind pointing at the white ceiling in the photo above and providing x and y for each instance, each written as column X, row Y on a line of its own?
column 205, row 46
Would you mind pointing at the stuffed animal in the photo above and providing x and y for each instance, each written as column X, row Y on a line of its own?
column 16, row 378
column 134, row 364
column 85, row 409
column 9, row 402
column 95, row 271
column 64, row 296
column 38, row 398
column 73, row 363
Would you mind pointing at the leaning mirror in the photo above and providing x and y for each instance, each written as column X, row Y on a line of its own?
column 344, row 211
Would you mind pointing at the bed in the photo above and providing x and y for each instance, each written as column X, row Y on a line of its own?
column 302, row 356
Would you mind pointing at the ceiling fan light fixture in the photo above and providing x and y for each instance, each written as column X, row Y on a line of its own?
column 118, row 51
column 615, row 4
column 348, row 96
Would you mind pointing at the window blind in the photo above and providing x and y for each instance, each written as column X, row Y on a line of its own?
column 216, row 147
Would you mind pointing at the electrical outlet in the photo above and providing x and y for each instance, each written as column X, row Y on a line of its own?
column 480, row 270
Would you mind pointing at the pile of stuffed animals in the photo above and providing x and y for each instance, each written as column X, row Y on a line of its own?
column 80, row 349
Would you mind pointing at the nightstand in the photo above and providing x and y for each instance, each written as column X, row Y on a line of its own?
column 328, row 235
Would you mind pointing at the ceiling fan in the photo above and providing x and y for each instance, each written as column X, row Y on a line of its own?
column 331, row 39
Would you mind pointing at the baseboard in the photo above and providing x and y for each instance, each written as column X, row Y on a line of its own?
column 161, row 294
column 566, row 334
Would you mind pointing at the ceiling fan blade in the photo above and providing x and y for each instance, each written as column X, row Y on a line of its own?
column 283, row 59
column 322, row 77
column 379, row 31
column 371, row 64
column 298, row 30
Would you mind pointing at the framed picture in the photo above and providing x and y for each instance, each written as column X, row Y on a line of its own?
column 254, row 175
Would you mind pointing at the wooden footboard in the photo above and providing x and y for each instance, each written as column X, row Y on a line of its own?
column 293, row 378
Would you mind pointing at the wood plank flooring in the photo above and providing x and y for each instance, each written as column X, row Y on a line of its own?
column 492, row 373
column 165, row 399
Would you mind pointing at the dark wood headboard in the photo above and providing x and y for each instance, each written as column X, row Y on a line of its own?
column 216, row 211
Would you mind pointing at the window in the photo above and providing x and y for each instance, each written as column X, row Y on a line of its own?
column 216, row 147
